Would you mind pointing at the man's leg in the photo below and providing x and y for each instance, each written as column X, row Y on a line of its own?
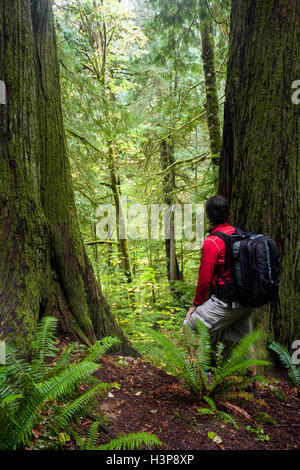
column 217, row 317
column 240, row 328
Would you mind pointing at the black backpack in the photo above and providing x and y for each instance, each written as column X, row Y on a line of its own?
column 255, row 268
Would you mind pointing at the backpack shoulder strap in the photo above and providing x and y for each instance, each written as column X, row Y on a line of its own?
column 226, row 239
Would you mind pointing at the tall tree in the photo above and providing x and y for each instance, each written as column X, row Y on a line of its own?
column 44, row 266
column 209, row 68
column 167, row 159
column 259, row 170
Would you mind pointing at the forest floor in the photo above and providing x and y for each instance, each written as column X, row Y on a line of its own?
column 150, row 400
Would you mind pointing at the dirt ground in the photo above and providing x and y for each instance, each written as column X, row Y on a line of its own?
column 153, row 401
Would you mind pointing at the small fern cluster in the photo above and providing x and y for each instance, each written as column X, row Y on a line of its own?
column 213, row 411
column 287, row 361
column 27, row 388
column 192, row 359
column 126, row 442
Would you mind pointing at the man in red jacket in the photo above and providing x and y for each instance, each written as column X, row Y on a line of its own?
column 220, row 311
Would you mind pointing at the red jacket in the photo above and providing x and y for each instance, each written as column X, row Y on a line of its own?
column 212, row 261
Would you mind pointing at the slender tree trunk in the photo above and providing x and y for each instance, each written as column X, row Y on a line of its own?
column 212, row 102
column 123, row 246
column 167, row 158
column 259, row 170
column 44, row 266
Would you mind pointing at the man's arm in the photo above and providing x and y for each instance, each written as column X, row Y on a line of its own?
column 210, row 253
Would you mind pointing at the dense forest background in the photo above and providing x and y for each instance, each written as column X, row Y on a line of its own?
column 135, row 95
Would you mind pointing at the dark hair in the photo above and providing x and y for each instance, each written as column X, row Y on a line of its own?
column 217, row 209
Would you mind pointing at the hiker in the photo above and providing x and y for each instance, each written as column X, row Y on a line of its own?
column 220, row 312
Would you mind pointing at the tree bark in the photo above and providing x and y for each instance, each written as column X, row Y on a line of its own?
column 44, row 266
column 259, row 169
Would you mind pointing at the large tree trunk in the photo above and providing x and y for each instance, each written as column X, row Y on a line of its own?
column 44, row 268
column 212, row 101
column 259, row 170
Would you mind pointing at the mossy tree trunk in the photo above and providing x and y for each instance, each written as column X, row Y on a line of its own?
column 44, row 266
column 212, row 101
column 259, row 169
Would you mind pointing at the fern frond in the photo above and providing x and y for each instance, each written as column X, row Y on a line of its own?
column 227, row 418
column 65, row 359
column 172, row 353
column 60, row 385
column 92, row 436
column 205, row 411
column 131, row 442
column 45, row 345
column 210, row 402
column 286, row 359
column 79, row 405
column 98, row 349
column 236, row 362
column 15, row 366
column 20, row 427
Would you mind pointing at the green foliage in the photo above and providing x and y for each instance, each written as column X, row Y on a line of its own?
column 212, row 410
column 125, row 442
column 260, row 433
column 190, row 359
column 29, row 390
column 263, row 418
column 286, row 359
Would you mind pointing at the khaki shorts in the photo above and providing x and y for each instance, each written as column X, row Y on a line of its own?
column 215, row 314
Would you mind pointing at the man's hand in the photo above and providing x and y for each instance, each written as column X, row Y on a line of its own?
column 191, row 310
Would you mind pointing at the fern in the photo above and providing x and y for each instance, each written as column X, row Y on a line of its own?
column 79, row 405
column 286, row 359
column 27, row 388
column 192, row 360
column 212, row 410
column 45, row 346
column 125, row 442
column 131, row 442
column 100, row 348
column 92, row 436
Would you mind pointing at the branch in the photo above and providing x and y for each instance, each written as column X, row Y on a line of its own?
column 85, row 195
column 95, row 242
column 83, row 139
column 201, row 157
column 180, row 128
